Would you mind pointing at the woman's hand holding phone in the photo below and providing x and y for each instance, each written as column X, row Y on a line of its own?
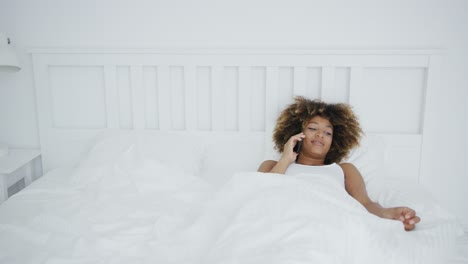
column 290, row 151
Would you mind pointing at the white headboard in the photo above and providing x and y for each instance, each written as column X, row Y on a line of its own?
column 81, row 92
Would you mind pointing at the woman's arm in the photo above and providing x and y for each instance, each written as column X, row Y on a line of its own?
column 356, row 187
column 274, row 166
column 288, row 157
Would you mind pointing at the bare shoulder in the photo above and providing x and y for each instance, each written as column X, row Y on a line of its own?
column 267, row 165
column 350, row 171
column 348, row 167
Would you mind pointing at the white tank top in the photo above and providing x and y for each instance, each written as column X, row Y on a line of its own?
column 331, row 171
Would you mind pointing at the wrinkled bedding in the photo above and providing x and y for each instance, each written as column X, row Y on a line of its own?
column 133, row 210
column 272, row 218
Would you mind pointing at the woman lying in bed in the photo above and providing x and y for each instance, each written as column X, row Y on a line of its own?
column 314, row 137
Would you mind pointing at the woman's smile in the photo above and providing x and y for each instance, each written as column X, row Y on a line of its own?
column 317, row 143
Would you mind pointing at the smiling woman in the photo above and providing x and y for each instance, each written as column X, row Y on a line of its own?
column 298, row 116
column 327, row 133
column 317, row 140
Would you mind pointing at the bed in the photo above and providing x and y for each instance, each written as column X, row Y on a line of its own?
column 151, row 157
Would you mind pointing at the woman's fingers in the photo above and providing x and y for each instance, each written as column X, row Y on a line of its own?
column 299, row 136
column 411, row 223
column 409, row 227
column 407, row 213
column 288, row 152
column 409, row 218
column 414, row 220
column 294, row 139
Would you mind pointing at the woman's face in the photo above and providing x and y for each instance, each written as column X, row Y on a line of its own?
column 318, row 137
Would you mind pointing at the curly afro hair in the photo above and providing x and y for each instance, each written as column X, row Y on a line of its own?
column 346, row 129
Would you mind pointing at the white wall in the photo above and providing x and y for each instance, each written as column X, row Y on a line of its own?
column 256, row 23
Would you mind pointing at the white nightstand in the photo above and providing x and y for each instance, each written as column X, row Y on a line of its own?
column 18, row 165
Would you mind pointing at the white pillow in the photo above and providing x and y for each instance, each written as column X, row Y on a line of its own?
column 130, row 172
column 226, row 154
column 150, row 174
column 171, row 148
column 369, row 157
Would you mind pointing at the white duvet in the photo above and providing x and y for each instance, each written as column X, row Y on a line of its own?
column 140, row 211
column 273, row 218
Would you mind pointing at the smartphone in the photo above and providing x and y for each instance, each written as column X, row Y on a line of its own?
column 298, row 146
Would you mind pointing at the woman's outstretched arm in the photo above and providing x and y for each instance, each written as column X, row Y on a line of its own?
column 356, row 187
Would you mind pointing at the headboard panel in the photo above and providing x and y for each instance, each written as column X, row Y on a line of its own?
column 80, row 92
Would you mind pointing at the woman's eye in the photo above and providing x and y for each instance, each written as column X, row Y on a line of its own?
column 312, row 128
column 328, row 133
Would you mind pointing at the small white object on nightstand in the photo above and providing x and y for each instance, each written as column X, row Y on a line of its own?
column 17, row 165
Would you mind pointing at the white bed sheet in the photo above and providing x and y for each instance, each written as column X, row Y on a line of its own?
column 137, row 210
